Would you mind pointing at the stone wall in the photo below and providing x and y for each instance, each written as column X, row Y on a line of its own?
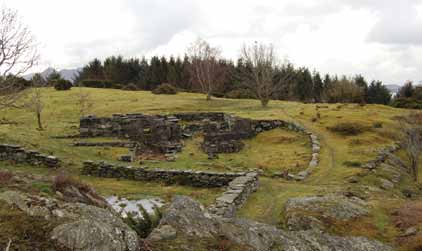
column 155, row 133
column 106, row 144
column 236, row 194
column 239, row 185
column 20, row 155
column 191, row 178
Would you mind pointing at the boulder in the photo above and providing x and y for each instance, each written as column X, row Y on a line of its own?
column 95, row 229
column 310, row 212
column 79, row 227
column 194, row 226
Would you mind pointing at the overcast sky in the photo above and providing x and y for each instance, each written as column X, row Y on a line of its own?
column 382, row 39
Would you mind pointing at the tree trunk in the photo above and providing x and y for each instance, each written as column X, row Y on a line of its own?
column 264, row 102
column 208, row 96
column 39, row 121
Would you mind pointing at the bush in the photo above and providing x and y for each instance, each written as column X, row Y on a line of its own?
column 63, row 181
column 409, row 103
column 165, row 89
column 240, row 94
column 5, row 177
column 98, row 83
column 143, row 226
column 352, row 163
column 130, row 87
column 377, row 124
column 348, row 129
column 62, row 84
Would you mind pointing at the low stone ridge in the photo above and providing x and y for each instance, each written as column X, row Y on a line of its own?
column 186, row 220
column 20, row 155
column 191, row 178
column 382, row 156
column 236, row 194
column 106, row 144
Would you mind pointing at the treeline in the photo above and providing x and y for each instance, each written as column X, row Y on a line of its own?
column 409, row 96
column 299, row 84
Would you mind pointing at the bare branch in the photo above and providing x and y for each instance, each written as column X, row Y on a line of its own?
column 206, row 70
column 18, row 54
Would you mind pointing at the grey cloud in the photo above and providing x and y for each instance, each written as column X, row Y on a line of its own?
column 158, row 20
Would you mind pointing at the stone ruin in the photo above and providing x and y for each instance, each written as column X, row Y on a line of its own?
column 151, row 133
column 223, row 133
column 20, row 155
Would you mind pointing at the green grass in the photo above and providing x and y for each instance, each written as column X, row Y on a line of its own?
column 273, row 151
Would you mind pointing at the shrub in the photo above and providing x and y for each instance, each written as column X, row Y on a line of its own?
column 62, row 84
column 377, row 124
column 63, row 181
column 409, row 103
column 98, row 83
column 352, row 163
column 240, row 94
column 348, row 129
column 143, row 226
column 5, row 177
column 130, row 87
column 165, row 89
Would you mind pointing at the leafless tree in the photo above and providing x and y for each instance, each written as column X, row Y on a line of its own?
column 18, row 54
column 260, row 73
column 411, row 130
column 84, row 102
column 206, row 71
column 35, row 102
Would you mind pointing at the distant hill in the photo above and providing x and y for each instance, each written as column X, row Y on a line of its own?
column 394, row 89
column 68, row 74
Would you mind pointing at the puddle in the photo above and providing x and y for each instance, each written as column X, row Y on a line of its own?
column 125, row 206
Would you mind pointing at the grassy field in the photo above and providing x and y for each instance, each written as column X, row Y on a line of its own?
column 272, row 151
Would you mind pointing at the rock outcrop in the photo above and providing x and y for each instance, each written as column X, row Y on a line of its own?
column 81, row 227
column 186, row 219
column 308, row 213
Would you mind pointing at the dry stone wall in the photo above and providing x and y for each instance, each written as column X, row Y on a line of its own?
column 156, row 133
column 239, row 185
column 191, row 178
column 20, row 155
column 236, row 194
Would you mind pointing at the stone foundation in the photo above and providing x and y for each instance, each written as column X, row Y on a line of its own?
column 20, row 155
column 239, row 185
column 152, row 133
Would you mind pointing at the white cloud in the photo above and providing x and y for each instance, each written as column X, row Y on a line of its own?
column 380, row 39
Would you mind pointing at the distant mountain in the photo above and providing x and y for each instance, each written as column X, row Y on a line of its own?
column 68, row 74
column 394, row 89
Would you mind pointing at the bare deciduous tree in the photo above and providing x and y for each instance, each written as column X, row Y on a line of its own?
column 35, row 103
column 411, row 130
column 84, row 101
column 18, row 54
column 260, row 73
column 205, row 68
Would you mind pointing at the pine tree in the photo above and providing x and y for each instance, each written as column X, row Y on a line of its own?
column 318, row 87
